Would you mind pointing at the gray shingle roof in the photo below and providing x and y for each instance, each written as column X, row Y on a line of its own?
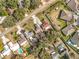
column 68, row 29
column 75, row 38
column 66, row 15
column 21, row 41
column 72, row 5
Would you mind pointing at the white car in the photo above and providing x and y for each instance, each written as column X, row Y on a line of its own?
column 54, row 55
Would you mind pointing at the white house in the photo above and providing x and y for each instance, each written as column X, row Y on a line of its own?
column 4, row 39
column 6, row 51
column 13, row 47
column 36, row 20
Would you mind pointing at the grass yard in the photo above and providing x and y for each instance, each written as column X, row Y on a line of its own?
column 41, row 16
column 29, row 25
column 61, row 23
column 30, row 57
column 66, row 38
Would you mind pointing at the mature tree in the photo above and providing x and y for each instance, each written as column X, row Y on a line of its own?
column 10, row 3
column 2, row 9
column 15, row 36
column 3, row 12
column 26, row 3
column 34, row 4
column 19, row 14
column 9, row 22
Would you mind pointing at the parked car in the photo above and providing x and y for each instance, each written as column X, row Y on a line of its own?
column 61, row 48
column 54, row 54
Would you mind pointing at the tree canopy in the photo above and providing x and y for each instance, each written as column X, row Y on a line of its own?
column 19, row 14
column 10, row 3
column 8, row 22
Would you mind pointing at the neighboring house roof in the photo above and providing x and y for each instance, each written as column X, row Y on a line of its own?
column 73, row 4
column 75, row 38
column 38, row 29
column 68, row 30
column 36, row 20
column 46, row 25
column 5, row 40
column 13, row 47
column 22, row 41
column 6, row 51
column 34, row 41
column 67, row 16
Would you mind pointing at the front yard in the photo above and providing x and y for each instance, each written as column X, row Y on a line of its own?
column 61, row 23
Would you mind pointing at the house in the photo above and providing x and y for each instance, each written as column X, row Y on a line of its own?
column 77, row 22
column 74, row 41
column 38, row 29
column 34, row 41
column 74, row 6
column 29, row 34
column 52, row 52
column 5, row 40
column 36, row 20
column 2, row 19
column 22, row 42
column 68, row 30
column 13, row 46
column 45, row 25
column 66, row 15
column 6, row 51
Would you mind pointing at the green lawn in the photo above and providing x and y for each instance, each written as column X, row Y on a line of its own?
column 66, row 37
column 41, row 16
column 1, row 45
column 29, row 25
column 61, row 23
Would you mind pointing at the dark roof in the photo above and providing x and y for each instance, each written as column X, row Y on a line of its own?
column 75, row 38
column 68, row 29
column 67, row 16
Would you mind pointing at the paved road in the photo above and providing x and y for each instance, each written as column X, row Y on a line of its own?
column 36, row 11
